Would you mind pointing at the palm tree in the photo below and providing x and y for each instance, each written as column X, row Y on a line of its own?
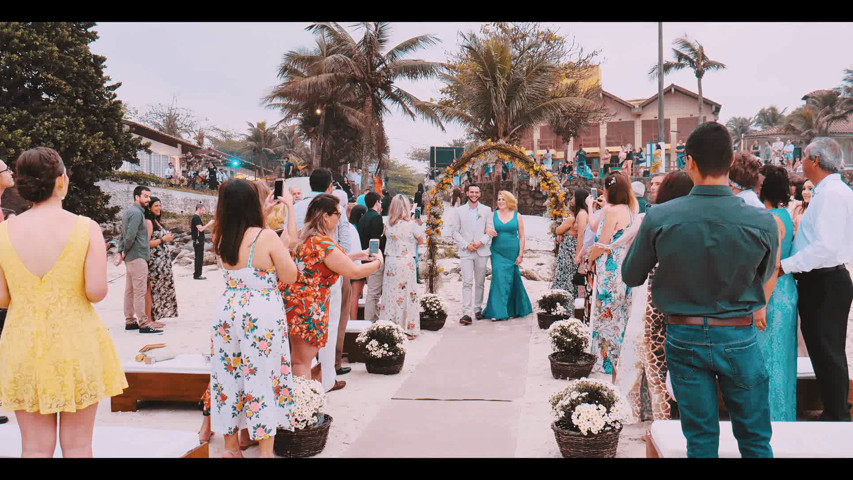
column 738, row 127
column 263, row 143
column 371, row 69
column 769, row 117
column 690, row 54
column 815, row 118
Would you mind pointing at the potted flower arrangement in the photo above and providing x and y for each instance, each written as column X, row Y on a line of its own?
column 310, row 424
column 570, row 340
column 433, row 312
column 383, row 345
column 554, row 305
column 589, row 418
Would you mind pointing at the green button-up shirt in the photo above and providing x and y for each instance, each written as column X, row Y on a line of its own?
column 134, row 234
column 714, row 254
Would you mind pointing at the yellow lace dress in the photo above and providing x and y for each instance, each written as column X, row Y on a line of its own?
column 56, row 355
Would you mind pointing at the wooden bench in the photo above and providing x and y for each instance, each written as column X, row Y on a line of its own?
column 121, row 442
column 350, row 349
column 182, row 379
column 789, row 440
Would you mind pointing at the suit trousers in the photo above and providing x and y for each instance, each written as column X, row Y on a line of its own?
column 135, row 288
column 824, row 306
column 374, row 293
column 198, row 247
column 473, row 278
column 326, row 355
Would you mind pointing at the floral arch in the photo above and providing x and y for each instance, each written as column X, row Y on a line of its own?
column 502, row 152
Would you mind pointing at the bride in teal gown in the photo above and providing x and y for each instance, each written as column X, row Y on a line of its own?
column 778, row 342
column 507, row 296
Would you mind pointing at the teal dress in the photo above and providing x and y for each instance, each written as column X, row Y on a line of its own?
column 778, row 342
column 507, row 296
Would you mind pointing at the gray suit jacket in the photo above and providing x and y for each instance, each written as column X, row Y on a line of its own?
column 464, row 233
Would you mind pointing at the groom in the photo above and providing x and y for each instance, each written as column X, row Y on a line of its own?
column 469, row 232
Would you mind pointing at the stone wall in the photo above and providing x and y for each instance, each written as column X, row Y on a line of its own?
column 175, row 201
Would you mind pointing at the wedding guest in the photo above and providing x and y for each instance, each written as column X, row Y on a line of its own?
column 347, row 292
column 419, row 197
column 386, row 202
column 711, row 305
column 821, row 249
column 400, row 301
column 57, row 356
column 133, row 249
column 372, row 227
column 212, row 177
column 805, row 195
column 507, row 295
column 605, row 157
column 197, row 229
column 358, row 211
column 472, row 220
column 657, row 159
column 654, row 185
column 743, row 179
column 778, row 341
column 6, row 181
column 639, row 192
column 612, row 302
column 296, row 193
column 765, row 152
column 321, row 262
column 162, row 301
column 250, row 376
column 569, row 234
column 754, row 150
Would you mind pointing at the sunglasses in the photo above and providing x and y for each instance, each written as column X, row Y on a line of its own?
column 7, row 169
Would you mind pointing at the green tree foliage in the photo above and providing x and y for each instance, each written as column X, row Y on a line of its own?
column 739, row 126
column 815, row 118
column 172, row 119
column 401, row 178
column 769, row 117
column 55, row 94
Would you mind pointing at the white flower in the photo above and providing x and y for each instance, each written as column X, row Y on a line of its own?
column 309, row 401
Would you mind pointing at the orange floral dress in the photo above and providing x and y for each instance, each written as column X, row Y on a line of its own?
column 307, row 299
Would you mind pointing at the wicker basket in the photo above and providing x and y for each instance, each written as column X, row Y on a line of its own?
column 578, row 369
column 385, row 366
column 306, row 442
column 546, row 320
column 574, row 445
column 432, row 323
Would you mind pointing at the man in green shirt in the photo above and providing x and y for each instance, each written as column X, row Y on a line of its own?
column 717, row 259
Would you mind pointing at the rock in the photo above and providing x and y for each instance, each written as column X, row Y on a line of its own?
column 209, row 259
column 531, row 275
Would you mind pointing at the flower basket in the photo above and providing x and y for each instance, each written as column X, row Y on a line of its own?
column 576, row 445
column 386, row 365
column 305, row 442
column 432, row 323
column 545, row 320
column 554, row 305
column 563, row 369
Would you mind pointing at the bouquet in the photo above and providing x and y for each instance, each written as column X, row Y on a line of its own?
column 556, row 302
column 589, row 406
column 570, row 338
column 383, row 339
column 309, row 400
column 433, row 306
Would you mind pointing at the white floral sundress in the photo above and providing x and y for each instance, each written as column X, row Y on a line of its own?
column 399, row 303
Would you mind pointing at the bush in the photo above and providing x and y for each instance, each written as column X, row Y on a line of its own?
column 433, row 306
column 570, row 338
column 139, row 178
column 382, row 339
column 556, row 302
column 589, row 406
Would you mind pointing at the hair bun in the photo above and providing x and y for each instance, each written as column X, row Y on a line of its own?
column 36, row 172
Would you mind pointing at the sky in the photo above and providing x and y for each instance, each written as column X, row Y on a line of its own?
column 221, row 71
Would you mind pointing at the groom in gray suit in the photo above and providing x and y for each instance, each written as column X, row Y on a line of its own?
column 469, row 232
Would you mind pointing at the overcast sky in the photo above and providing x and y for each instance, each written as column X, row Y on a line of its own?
column 222, row 70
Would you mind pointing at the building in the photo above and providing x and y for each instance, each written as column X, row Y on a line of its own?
column 632, row 122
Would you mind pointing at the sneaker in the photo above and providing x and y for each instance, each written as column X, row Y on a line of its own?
column 131, row 326
column 199, row 278
column 479, row 315
column 151, row 330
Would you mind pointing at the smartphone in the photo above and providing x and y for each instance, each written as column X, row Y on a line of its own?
column 594, row 193
column 374, row 246
column 417, row 212
column 278, row 190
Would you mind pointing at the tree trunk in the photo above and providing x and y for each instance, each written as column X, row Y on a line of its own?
column 701, row 115
column 365, row 143
column 318, row 154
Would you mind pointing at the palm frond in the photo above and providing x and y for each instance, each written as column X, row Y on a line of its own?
column 409, row 46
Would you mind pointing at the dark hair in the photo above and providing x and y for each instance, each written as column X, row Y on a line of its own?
column 776, row 188
column 199, row 205
column 237, row 209
column 472, row 184
column 36, row 172
column 618, row 192
column 580, row 201
column 320, row 205
column 744, row 171
column 421, row 187
column 320, row 180
column 137, row 192
column 798, row 183
column 371, row 198
column 357, row 212
column 675, row 184
column 149, row 214
column 710, row 146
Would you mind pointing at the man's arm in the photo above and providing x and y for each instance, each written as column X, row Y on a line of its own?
column 343, row 231
column 132, row 227
column 486, row 239
column 826, row 242
column 641, row 257
column 456, row 230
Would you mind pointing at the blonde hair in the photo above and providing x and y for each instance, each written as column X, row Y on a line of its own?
column 511, row 201
column 399, row 209
column 320, row 206
column 275, row 219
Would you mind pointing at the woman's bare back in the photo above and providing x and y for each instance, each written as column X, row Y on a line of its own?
column 39, row 237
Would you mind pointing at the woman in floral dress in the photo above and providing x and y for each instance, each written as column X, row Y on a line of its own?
column 399, row 302
column 612, row 301
column 567, row 236
column 319, row 261
column 162, row 300
column 251, row 379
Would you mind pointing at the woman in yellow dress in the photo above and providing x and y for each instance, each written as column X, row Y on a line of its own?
column 58, row 358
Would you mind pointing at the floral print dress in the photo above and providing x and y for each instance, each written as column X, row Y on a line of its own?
column 251, row 379
column 307, row 299
column 611, row 305
column 164, row 301
column 399, row 302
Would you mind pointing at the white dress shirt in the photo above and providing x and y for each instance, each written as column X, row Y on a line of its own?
column 751, row 198
column 300, row 208
column 825, row 236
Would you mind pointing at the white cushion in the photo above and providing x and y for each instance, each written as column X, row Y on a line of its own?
column 789, row 439
column 805, row 368
column 116, row 442
column 358, row 326
column 579, row 303
column 185, row 363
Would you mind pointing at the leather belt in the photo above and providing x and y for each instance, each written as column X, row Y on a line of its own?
column 826, row 269
column 713, row 322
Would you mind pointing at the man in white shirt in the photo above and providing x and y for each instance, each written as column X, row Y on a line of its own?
column 469, row 232
column 776, row 151
column 822, row 247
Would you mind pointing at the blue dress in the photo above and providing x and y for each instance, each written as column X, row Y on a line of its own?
column 778, row 342
column 507, row 296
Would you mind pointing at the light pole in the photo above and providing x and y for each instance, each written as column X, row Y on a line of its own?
column 661, row 137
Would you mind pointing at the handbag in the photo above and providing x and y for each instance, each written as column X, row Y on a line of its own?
column 579, row 279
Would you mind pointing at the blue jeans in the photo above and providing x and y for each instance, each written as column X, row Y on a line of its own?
column 700, row 356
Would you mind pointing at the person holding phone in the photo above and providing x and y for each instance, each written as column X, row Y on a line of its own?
column 371, row 227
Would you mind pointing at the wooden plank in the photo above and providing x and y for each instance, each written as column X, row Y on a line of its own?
column 178, row 387
column 202, row 451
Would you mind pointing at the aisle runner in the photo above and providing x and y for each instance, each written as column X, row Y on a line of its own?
column 461, row 401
